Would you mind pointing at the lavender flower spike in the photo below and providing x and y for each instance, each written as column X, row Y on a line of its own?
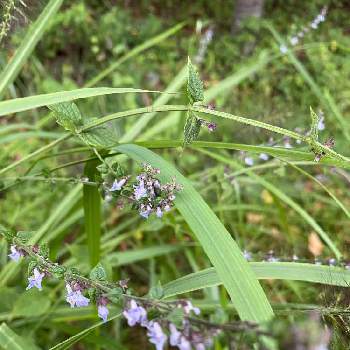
column 117, row 185
column 135, row 314
column 188, row 307
column 177, row 339
column 103, row 312
column 75, row 298
column 35, row 280
column 140, row 191
column 159, row 212
column 156, row 335
column 15, row 254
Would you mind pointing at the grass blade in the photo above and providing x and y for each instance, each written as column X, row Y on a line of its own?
column 239, row 280
column 30, row 102
column 92, row 213
column 329, row 275
column 28, row 44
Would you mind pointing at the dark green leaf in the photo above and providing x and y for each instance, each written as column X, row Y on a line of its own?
column 194, row 84
column 98, row 273
column 67, row 115
column 191, row 129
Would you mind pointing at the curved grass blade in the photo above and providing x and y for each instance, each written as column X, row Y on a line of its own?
column 239, row 280
column 28, row 44
column 31, row 102
column 329, row 275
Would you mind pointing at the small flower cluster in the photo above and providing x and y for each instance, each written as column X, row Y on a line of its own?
column 184, row 337
column 294, row 40
column 75, row 284
column 172, row 321
column 146, row 194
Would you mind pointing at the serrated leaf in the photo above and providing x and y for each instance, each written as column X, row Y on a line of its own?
column 194, row 84
column 24, row 236
column 157, row 291
column 98, row 273
column 102, row 136
column 67, row 115
column 191, row 128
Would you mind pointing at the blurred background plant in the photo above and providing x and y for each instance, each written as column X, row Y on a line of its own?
column 247, row 72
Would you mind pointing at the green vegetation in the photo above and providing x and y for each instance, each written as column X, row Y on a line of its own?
column 154, row 151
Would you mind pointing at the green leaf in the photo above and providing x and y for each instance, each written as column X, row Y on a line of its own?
column 32, row 303
column 24, row 236
column 157, row 291
column 98, row 273
column 31, row 102
column 246, row 293
column 67, row 115
column 102, row 136
column 314, row 125
column 9, row 340
column 191, row 129
column 194, row 84
column 28, row 44
column 328, row 275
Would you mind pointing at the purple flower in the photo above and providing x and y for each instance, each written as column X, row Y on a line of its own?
column 247, row 255
column 135, row 314
column 263, row 156
column 177, row 339
column 156, row 335
column 283, row 49
column 321, row 124
column 117, row 185
column 140, row 191
column 75, row 298
column 159, row 212
column 15, row 254
column 211, row 126
column 103, row 312
column 145, row 211
column 249, row 161
column 35, row 280
column 188, row 307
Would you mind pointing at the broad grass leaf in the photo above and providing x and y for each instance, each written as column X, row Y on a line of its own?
column 9, row 340
column 31, row 303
